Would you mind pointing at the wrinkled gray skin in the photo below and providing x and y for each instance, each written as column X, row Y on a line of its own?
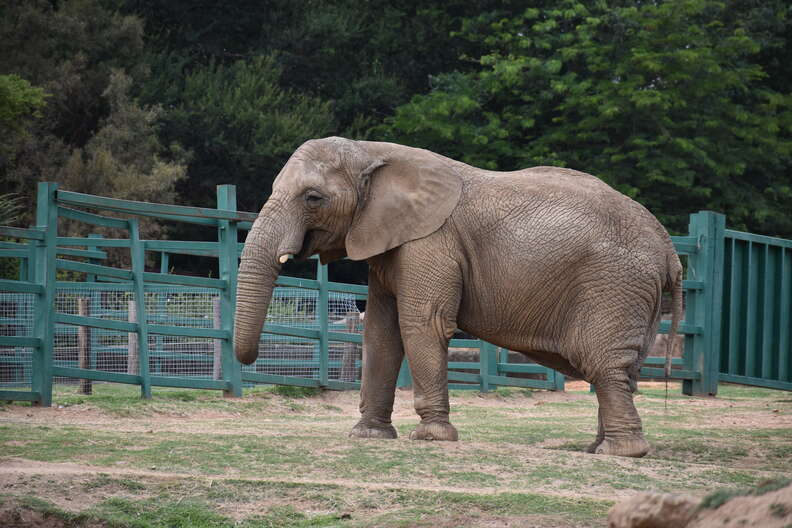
column 546, row 261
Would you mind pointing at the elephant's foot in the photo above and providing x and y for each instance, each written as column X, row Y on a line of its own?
column 592, row 447
column 366, row 430
column 632, row 446
column 439, row 431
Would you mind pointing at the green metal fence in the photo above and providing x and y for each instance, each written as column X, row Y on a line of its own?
column 163, row 329
column 756, row 311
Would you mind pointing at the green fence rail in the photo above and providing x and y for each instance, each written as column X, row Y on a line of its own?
column 117, row 326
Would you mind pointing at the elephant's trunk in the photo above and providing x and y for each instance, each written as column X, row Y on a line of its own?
column 271, row 237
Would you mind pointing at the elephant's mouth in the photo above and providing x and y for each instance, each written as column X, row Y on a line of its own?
column 309, row 244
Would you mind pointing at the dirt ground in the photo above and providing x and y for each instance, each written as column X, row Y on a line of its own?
column 513, row 443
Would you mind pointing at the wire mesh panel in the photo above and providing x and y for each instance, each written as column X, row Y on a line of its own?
column 287, row 355
column 344, row 360
column 182, row 356
column 300, row 356
column 104, row 350
column 16, row 319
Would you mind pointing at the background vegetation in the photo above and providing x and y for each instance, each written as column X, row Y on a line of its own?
column 681, row 104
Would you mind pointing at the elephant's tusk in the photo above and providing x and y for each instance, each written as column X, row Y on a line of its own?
column 283, row 258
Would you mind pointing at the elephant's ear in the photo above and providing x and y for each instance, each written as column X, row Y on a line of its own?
column 406, row 196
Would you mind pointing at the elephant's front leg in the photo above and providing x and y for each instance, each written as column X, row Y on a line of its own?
column 426, row 326
column 382, row 357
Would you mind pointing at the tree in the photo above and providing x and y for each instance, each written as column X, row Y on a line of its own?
column 19, row 103
column 92, row 135
column 667, row 101
column 241, row 127
column 122, row 159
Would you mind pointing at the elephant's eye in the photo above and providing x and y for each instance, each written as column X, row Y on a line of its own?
column 313, row 198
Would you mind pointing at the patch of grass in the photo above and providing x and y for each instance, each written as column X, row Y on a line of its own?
column 780, row 510
column 105, row 480
column 147, row 514
column 288, row 517
column 718, row 498
column 296, row 392
column 511, row 392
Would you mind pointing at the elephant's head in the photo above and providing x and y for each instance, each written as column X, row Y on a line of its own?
column 338, row 197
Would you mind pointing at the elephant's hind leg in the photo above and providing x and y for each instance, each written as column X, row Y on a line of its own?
column 620, row 426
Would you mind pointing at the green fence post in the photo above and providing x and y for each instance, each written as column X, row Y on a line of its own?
column 26, row 264
column 702, row 352
column 557, row 380
column 138, row 268
column 90, row 277
column 164, row 257
column 405, row 378
column 44, row 275
column 488, row 364
column 322, row 306
column 228, row 265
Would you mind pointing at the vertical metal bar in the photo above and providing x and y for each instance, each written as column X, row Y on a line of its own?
column 138, row 268
column 558, row 381
column 706, row 304
column 405, row 377
column 488, row 365
column 322, row 307
column 735, row 305
column 44, row 312
column 750, row 314
column 785, row 316
column 94, row 303
column 691, row 357
column 228, row 264
column 164, row 262
column 90, row 277
column 24, row 263
column 768, row 317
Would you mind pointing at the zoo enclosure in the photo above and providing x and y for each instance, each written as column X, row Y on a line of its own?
column 737, row 294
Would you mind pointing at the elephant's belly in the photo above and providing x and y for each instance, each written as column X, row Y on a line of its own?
column 532, row 349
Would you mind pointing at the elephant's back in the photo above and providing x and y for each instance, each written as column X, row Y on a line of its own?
column 551, row 216
column 580, row 201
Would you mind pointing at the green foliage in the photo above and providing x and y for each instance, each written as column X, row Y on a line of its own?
column 666, row 101
column 19, row 102
column 243, row 134
column 11, row 207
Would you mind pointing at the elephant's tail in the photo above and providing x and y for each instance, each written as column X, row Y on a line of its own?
column 676, row 313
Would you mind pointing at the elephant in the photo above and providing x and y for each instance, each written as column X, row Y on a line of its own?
column 547, row 261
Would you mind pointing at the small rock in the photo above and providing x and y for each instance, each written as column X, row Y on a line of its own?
column 652, row 510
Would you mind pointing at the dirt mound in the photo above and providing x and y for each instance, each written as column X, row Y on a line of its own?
column 16, row 515
column 767, row 506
